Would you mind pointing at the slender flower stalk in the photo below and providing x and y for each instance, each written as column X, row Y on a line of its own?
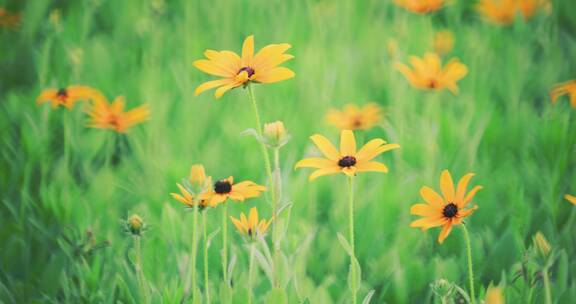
column 546, row 282
column 205, row 240
column 470, row 266
column 225, row 243
column 194, row 253
column 139, row 274
column 251, row 273
column 353, row 286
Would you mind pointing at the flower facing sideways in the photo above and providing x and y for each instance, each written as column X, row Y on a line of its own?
column 447, row 209
column 420, row 6
column 570, row 198
column 236, row 71
column 427, row 73
column 112, row 116
column 68, row 96
column 354, row 118
column 226, row 188
column 347, row 160
column 566, row 88
column 198, row 184
column 250, row 226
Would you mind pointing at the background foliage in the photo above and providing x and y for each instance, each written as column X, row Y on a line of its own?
column 61, row 213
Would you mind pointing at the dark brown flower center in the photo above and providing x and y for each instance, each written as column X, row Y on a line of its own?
column 248, row 70
column 347, row 161
column 450, row 210
column 432, row 83
column 222, row 187
column 62, row 93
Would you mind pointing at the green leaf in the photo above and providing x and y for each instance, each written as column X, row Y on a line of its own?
column 344, row 243
column 277, row 296
column 368, row 297
column 356, row 275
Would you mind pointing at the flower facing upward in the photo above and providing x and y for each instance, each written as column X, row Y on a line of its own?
column 68, row 96
column 112, row 116
column 447, row 209
column 250, row 226
column 420, row 6
column 198, row 184
column 236, row 71
column 443, row 42
column 570, row 198
column 348, row 160
column 354, row 118
column 428, row 74
column 566, row 88
column 226, row 188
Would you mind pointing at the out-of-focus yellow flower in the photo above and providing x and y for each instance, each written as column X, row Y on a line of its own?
column 504, row 11
column 541, row 244
column 68, row 96
column 447, row 209
column 354, row 118
column 566, row 88
column 112, row 116
column 251, row 226
column 9, row 20
column 494, row 295
column 226, row 188
column 348, row 160
column 236, row 71
column 421, row 6
column 570, row 198
column 443, row 42
column 427, row 73
column 528, row 8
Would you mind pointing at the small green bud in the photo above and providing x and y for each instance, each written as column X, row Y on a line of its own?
column 442, row 288
column 135, row 224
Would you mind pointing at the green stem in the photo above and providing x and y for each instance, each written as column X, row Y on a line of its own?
column 225, row 242
column 275, row 236
column 194, row 252
column 470, row 268
column 353, row 286
column 546, row 282
column 251, row 274
column 205, row 239
column 139, row 274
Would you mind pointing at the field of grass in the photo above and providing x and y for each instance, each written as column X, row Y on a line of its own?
column 67, row 190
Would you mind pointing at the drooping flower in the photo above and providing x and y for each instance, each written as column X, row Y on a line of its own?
column 421, row 6
column 198, row 182
column 251, row 226
column 494, row 295
column 347, row 160
column 226, row 188
column 112, row 116
column 443, row 42
column 428, row 73
column 354, row 118
column 447, row 209
column 570, row 198
column 68, row 96
column 565, row 88
column 237, row 71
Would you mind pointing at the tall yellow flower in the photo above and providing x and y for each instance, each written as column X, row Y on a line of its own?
column 498, row 11
column 251, row 226
column 198, row 183
column 447, row 209
column 112, row 116
column 570, row 198
column 428, row 73
column 354, row 118
column 421, row 6
column 347, row 160
column 68, row 96
column 226, row 188
column 236, row 71
column 566, row 88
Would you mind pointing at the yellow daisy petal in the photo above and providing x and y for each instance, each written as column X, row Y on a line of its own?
column 347, row 143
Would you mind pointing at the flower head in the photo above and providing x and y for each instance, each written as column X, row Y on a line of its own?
column 447, row 209
column 135, row 225
column 498, row 11
column 198, row 184
column 566, row 88
column 112, row 116
column 275, row 134
column 68, row 96
column 420, row 6
column 226, row 188
column 541, row 244
column 529, row 8
column 236, row 71
column 347, row 160
column 494, row 295
column 443, row 42
column 250, row 226
column 428, row 73
column 570, row 198
column 354, row 118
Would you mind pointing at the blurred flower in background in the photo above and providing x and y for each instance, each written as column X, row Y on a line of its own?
column 352, row 117
column 565, row 88
column 494, row 295
column 9, row 20
column 112, row 116
column 570, row 198
column 421, row 6
column 504, row 11
column 251, row 226
column 443, row 42
column 68, row 96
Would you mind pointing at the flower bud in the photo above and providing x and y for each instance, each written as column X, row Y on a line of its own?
column 275, row 134
column 135, row 224
column 197, row 175
column 494, row 295
column 442, row 288
column 541, row 244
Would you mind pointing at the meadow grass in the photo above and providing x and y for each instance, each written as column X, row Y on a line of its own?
column 63, row 206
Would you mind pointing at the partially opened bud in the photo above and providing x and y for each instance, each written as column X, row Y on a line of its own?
column 442, row 288
column 275, row 134
column 197, row 175
column 541, row 244
column 135, row 224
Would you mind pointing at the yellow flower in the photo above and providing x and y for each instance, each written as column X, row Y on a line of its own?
column 135, row 224
column 250, row 226
column 353, row 118
column 498, row 11
column 236, row 71
column 570, row 198
column 9, row 20
column 443, row 42
column 541, row 244
column 68, row 96
column 198, row 182
column 427, row 73
column 566, row 88
column 446, row 210
column 494, row 295
column 197, row 175
column 348, row 160
column 112, row 116
column 420, row 6
column 226, row 188
column 528, row 8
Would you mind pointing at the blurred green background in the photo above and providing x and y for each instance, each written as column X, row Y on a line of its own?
column 61, row 237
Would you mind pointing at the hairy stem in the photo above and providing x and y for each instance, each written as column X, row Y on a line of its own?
column 194, row 251
column 225, row 243
column 470, row 268
column 139, row 274
column 205, row 240
column 251, row 274
column 353, row 286
column 546, row 282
